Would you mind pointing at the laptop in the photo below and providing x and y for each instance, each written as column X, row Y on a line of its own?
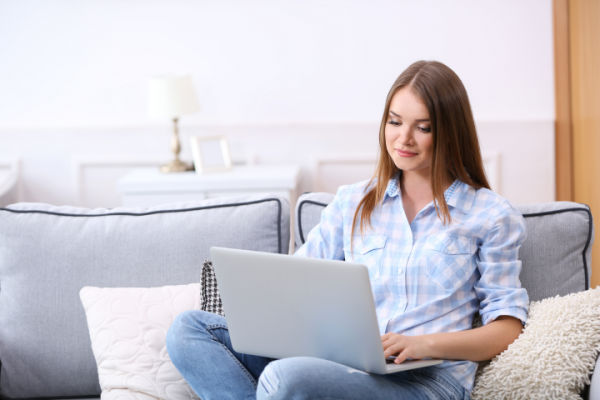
column 280, row 306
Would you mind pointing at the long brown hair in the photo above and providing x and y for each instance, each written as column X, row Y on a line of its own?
column 456, row 153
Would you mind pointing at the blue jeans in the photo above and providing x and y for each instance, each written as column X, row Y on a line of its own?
column 199, row 346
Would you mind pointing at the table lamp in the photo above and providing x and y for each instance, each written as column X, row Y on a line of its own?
column 172, row 97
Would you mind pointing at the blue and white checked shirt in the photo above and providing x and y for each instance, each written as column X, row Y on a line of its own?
column 428, row 277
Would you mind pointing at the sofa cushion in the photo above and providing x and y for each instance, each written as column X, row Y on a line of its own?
column 556, row 254
column 48, row 253
column 128, row 329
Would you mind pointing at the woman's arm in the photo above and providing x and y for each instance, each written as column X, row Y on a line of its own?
column 477, row 344
column 326, row 240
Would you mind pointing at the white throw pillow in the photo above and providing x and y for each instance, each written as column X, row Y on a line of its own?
column 554, row 356
column 128, row 327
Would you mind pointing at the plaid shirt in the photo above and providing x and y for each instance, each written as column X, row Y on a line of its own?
column 428, row 277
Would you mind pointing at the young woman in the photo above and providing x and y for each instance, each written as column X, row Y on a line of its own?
column 440, row 248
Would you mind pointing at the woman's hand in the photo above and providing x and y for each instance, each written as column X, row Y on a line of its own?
column 405, row 347
column 477, row 344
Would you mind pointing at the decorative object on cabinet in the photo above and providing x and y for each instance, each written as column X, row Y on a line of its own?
column 172, row 97
column 211, row 154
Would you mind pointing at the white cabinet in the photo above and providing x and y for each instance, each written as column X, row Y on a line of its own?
column 149, row 186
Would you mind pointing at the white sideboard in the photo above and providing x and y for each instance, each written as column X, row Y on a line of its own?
column 149, row 186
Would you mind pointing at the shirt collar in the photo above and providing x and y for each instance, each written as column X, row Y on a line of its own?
column 393, row 187
column 458, row 195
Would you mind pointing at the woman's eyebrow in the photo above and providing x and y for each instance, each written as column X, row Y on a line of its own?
column 417, row 120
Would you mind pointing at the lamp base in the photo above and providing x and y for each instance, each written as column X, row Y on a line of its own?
column 176, row 166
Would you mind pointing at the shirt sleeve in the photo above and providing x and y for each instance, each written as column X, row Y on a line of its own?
column 326, row 239
column 499, row 288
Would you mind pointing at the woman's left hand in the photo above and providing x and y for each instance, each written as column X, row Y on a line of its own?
column 405, row 347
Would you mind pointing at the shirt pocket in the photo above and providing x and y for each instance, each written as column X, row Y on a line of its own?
column 450, row 259
column 367, row 250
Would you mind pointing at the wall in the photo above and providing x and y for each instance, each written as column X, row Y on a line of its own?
column 300, row 81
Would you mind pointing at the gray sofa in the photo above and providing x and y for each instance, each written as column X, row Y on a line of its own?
column 47, row 253
column 8, row 187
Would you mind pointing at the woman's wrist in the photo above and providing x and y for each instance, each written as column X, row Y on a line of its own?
column 432, row 344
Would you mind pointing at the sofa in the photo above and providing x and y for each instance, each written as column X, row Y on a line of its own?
column 8, row 187
column 86, row 295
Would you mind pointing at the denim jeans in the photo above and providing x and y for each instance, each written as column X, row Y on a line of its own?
column 199, row 346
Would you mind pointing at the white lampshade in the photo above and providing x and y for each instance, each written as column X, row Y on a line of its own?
column 171, row 96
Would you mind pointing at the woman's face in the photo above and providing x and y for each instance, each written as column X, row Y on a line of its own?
column 408, row 136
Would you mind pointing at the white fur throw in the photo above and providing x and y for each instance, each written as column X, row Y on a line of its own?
column 554, row 356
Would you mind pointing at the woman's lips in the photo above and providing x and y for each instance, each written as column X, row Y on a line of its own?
column 403, row 153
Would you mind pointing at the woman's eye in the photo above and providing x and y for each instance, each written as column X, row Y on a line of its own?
column 425, row 129
column 392, row 122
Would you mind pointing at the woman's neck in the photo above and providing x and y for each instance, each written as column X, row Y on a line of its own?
column 416, row 192
column 416, row 186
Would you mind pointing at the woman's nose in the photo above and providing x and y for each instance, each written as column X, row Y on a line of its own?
column 405, row 135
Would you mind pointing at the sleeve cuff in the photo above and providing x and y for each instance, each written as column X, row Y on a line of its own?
column 516, row 312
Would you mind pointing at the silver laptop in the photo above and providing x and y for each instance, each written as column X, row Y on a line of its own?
column 281, row 306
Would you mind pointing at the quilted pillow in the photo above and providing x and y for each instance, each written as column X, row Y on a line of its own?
column 553, row 357
column 211, row 298
column 128, row 327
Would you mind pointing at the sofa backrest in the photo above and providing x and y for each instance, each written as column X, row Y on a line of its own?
column 48, row 253
column 8, row 187
column 556, row 256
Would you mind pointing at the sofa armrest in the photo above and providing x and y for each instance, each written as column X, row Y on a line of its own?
column 594, row 389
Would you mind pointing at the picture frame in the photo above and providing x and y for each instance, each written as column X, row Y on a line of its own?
column 211, row 154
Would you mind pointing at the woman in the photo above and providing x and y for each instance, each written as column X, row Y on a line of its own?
column 440, row 248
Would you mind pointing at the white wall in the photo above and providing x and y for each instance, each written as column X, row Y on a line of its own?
column 294, row 81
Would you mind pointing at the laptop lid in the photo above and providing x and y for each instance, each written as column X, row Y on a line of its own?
column 284, row 306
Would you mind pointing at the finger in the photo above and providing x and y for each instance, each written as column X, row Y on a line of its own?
column 401, row 357
column 386, row 341
column 393, row 349
column 388, row 345
column 389, row 352
column 390, row 337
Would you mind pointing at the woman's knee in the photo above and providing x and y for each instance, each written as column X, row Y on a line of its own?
column 269, row 382
column 288, row 378
column 187, row 326
column 177, row 331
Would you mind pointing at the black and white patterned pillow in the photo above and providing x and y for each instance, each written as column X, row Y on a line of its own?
column 211, row 299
